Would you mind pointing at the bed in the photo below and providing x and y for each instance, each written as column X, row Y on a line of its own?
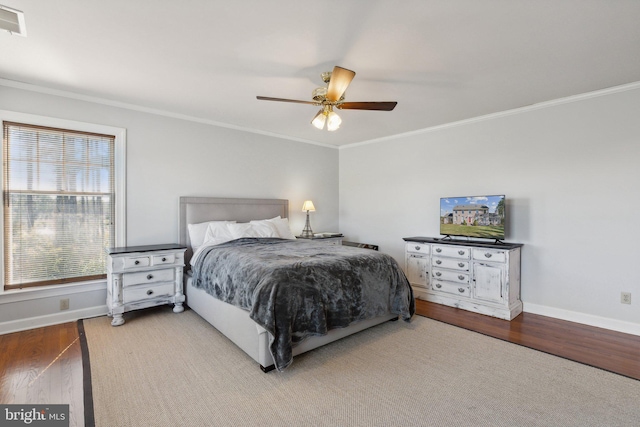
column 266, row 341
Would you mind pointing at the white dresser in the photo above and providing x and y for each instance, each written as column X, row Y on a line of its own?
column 474, row 276
column 144, row 276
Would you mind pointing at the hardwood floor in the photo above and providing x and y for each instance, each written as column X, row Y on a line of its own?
column 609, row 350
column 44, row 365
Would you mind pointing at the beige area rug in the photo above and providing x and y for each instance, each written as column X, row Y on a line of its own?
column 167, row 369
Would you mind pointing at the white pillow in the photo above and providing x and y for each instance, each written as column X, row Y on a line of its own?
column 243, row 229
column 264, row 228
column 197, row 232
column 282, row 224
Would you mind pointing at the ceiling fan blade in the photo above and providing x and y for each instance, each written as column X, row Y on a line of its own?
column 266, row 98
column 340, row 79
column 382, row 106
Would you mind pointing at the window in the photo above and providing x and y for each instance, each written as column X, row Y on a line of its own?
column 59, row 203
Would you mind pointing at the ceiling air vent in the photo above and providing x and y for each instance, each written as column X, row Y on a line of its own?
column 12, row 20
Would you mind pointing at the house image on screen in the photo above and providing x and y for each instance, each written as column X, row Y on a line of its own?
column 475, row 215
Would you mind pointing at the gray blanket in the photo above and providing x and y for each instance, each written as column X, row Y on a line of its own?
column 295, row 289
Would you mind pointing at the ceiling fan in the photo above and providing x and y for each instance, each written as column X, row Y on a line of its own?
column 332, row 96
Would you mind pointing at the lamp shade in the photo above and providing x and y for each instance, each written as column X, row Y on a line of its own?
column 308, row 206
column 319, row 120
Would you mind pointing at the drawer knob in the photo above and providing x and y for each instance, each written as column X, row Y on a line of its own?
column 438, row 285
column 461, row 264
column 488, row 255
column 149, row 276
column 150, row 292
column 163, row 259
column 438, row 274
column 417, row 248
column 460, row 277
column 460, row 252
column 461, row 290
column 438, row 250
column 137, row 262
column 438, row 262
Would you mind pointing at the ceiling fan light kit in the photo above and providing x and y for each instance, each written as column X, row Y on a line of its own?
column 333, row 96
column 328, row 116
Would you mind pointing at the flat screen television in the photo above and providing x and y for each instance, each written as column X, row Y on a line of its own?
column 473, row 216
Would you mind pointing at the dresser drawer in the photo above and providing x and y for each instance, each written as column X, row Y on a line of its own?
column 489, row 255
column 452, row 251
column 145, row 292
column 155, row 276
column 451, row 276
column 417, row 248
column 454, row 264
column 451, row 288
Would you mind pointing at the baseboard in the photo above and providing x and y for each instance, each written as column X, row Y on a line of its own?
column 51, row 319
column 586, row 319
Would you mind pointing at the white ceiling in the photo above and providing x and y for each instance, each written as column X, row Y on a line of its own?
column 443, row 61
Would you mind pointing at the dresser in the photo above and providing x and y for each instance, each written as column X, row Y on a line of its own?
column 144, row 276
column 475, row 276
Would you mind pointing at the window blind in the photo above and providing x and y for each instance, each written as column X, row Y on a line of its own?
column 59, row 204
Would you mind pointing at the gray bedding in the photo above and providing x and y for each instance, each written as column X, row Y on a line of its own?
column 295, row 289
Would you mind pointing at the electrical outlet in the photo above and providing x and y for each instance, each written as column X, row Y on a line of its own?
column 64, row 304
column 625, row 297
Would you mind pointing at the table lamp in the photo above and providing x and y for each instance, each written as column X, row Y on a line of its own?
column 307, row 232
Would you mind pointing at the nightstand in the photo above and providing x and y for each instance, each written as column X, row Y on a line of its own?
column 144, row 276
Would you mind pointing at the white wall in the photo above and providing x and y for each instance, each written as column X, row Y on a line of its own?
column 168, row 158
column 570, row 172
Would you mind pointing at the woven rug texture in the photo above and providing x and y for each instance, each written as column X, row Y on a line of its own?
column 167, row 369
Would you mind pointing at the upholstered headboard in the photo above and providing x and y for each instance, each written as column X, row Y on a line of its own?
column 194, row 210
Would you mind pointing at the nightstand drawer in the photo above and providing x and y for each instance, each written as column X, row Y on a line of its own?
column 136, row 262
column 155, row 276
column 164, row 259
column 143, row 292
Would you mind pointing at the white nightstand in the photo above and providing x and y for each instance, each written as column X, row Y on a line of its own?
column 144, row 276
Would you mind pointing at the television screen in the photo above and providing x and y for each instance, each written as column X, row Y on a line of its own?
column 473, row 216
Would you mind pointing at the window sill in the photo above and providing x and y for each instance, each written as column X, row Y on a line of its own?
column 26, row 294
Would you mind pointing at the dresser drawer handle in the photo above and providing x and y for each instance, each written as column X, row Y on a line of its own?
column 417, row 248
column 488, row 255
column 438, row 250
column 163, row 259
column 460, row 277
column 438, row 274
column 461, row 264
column 461, row 290
column 438, row 285
column 149, row 276
column 137, row 262
column 438, row 262
column 460, row 252
column 150, row 292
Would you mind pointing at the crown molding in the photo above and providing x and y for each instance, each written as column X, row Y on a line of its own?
column 546, row 104
column 164, row 113
column 134, row 107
